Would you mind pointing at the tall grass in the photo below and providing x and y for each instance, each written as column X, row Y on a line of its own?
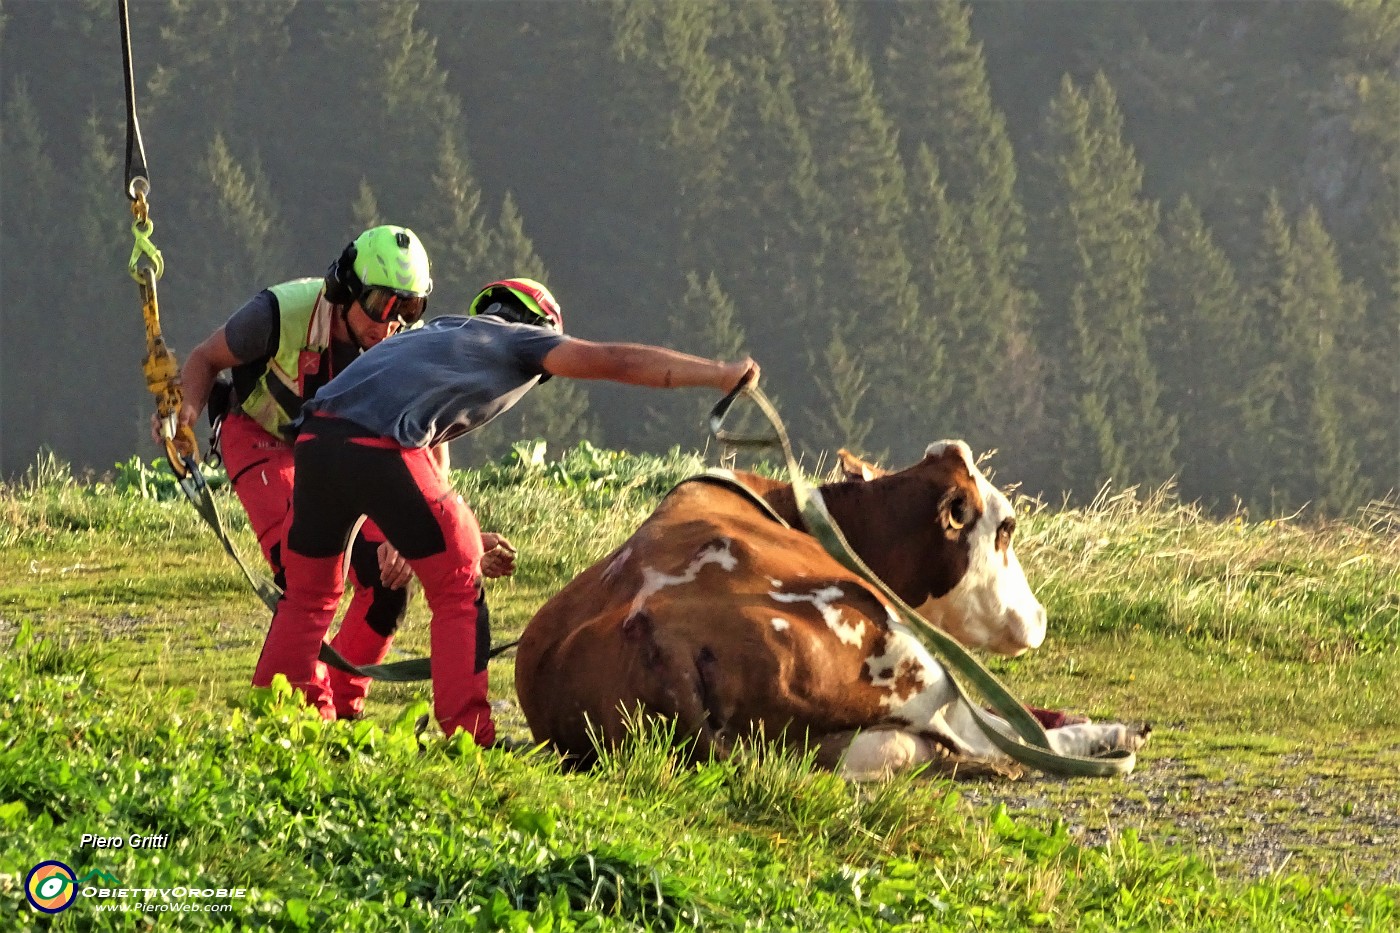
column 131, row 637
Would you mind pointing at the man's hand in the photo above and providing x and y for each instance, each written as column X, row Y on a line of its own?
column 188, row 416
column 744, row 372
column 394, row 571
column 498, row 559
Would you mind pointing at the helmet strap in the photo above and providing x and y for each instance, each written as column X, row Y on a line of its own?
column 514, row 311
column 345, row 319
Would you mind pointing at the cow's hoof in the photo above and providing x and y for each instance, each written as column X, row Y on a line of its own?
column 1136, row 734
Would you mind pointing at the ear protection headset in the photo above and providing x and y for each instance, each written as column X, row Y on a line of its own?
column 343, row 285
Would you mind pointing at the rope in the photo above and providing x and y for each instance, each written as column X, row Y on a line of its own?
column 162, row 372
column 161, row 369
column 1030, row 746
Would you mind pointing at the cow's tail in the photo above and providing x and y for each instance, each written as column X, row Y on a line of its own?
column 681, row 686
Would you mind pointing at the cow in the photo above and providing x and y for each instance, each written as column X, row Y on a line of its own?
column 721, row 614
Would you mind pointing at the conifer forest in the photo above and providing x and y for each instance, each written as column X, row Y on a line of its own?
column 1119, row 243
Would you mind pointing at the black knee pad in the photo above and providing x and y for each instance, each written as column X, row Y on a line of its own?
column 279, row 573
column 387, row 607
column 483, row 629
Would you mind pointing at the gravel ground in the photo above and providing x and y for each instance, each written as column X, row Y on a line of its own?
column 1292, row 813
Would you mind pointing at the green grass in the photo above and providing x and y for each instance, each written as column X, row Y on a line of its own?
column 1264, row 652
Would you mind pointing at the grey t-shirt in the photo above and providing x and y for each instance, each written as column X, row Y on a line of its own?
column 438, row 382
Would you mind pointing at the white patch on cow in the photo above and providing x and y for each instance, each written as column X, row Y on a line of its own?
column 992, row 606
column 824, row 599
column 653, row 580
column 617, row 563
column 906, row 660
column 774, row 583
column 780, row 625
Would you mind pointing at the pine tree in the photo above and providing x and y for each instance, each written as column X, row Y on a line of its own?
column 241, row 247
column 513, row 251
column 557, row 413
column 242, row 54
column 364, row 210
column 1204, row 345
column 741, row 198
column 454, row 229
column 950, row 129
column 1097, row 243
column 1370, row 99
column 1381, row 439
column 866, row 272
column 705, row 323
column 1309, row 455
column 935, row 338
column 769, row 246
column 389, row 67
column 100, row 234
column 29, row 189
column 842, row 390
column 940, row 95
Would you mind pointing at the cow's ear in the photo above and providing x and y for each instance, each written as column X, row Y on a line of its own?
column 955, row 512
column 938, row 448
column 854, row 468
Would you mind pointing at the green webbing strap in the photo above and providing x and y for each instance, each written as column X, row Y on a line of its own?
column 406, row 671
column 201, row 497
column 1033, row 747
column 409, row 671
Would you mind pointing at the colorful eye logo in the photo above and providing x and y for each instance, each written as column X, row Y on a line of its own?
column 51, row 887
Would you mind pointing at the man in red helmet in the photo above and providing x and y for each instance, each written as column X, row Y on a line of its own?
column 365, row 448
column 280, row 348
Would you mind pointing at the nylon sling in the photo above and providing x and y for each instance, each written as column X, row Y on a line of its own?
column 1030, row 745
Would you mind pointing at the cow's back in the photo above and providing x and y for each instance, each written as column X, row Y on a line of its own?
column 683, row 620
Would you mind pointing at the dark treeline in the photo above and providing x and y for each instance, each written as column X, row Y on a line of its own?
column 1116, row 242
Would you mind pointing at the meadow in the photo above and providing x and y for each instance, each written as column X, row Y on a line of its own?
column 1265, row 651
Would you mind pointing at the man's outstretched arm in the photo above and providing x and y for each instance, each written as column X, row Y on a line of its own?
column 643, row 365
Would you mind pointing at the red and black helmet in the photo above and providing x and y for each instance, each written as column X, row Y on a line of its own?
column 527, row 293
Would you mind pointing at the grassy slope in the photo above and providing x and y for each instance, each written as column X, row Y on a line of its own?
column 1264, row 653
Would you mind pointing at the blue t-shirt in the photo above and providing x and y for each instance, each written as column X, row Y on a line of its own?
column 430, row 385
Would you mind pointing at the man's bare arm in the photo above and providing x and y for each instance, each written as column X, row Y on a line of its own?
column 643, row 365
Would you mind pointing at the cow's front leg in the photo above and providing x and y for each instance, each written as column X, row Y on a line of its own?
column 1092, row 739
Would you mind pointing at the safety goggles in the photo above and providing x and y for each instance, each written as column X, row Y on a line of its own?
column 384, row 306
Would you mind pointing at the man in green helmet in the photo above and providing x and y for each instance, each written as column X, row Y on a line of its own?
column 281, row 347
column 367, row 446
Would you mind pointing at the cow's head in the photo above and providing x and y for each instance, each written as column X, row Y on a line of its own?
column 992, row 605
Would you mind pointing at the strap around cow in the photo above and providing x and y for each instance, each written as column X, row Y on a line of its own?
column 1027, row 742
column 727, row 480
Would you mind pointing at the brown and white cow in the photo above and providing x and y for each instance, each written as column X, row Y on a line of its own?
column 718, row 616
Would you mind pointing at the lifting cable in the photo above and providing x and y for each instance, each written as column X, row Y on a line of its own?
column 163, row 381
column 160, row 366
column 1028, row 744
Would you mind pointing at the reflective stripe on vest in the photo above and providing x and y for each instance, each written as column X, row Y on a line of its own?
column 304, row 322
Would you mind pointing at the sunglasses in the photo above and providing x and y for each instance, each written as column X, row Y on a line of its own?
column 384, row 306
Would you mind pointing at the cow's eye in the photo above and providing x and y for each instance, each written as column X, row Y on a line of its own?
column 1004, row 532
column 958, row 513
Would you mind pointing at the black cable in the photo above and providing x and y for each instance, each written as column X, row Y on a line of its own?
column 136, row 174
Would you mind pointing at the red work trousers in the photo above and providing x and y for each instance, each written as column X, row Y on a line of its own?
column 342, row 473
column 260, row 468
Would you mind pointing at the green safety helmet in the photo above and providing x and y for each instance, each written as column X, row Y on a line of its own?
column 528, row 293
column 382, row 257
